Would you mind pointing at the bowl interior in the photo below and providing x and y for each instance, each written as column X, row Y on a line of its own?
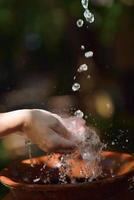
column 47, row 167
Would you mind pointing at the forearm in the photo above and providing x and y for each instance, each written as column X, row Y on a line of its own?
column 11, row 122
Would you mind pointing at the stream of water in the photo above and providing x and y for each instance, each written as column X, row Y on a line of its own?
column 89, row 145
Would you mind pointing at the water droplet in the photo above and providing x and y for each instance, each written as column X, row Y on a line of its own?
column 89, row 54
column 80, row 23
column 89, row 76
column 84, row 3
column 127, row 140
column 74, row 78
column 89, row 16
column 86, row 116
column 76, row 87
column 83, row 68
column 113, row 143
column 91, row 20
column 79, row 113
column 36, row 180
column 82, row 47
column 86, row 155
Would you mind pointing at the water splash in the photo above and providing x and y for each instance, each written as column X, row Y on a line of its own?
column 63, row 169
column 88, row 142
column 88, row 145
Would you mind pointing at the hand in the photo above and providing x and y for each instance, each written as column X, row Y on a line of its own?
column 47, row 130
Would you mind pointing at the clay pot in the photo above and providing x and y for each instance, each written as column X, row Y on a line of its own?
column 115, row 182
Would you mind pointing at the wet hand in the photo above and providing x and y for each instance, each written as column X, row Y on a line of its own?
column 47, row 131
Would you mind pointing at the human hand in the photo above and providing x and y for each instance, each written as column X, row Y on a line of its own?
column 47, row 131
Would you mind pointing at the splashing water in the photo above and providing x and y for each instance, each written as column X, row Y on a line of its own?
column 88, row 145
column 76, row 87
column 88, row 142
column 82, row 68
column 63, row 169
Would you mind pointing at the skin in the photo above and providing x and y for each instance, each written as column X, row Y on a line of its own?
column 44, row 128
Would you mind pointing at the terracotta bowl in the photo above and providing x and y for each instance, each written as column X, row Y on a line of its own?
column 115, row 182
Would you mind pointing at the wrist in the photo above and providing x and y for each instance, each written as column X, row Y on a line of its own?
column 25, row 119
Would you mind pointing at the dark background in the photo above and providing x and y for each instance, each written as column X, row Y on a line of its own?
column 40, row 51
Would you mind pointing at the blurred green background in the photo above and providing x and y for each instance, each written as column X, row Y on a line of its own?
column 40, row 51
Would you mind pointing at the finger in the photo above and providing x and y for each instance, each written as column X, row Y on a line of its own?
column 60, row 129
column 57, row 143
column 61, row 143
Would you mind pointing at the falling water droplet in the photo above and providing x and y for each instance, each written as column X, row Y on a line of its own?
column 82, row 68
column 84, row 3
column 89, row 16
column 79, row 113
column 76, row 87
column 113, row 143
column 82, row 47
column 74, row 78
column 86, row 117
column 36, row 180
column 127, row 140
column 91, row 20
column 80, row 23
column 89, row 76
column 89, row 54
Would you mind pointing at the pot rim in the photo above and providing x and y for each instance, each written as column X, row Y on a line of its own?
column 8, row 182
